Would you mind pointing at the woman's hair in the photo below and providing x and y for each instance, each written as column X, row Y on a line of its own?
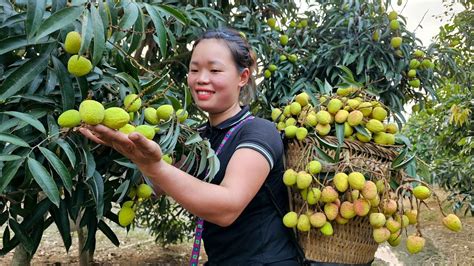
column 244, row 57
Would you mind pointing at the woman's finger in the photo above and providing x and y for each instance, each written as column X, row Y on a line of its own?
column 145, row 145
column 88, row 134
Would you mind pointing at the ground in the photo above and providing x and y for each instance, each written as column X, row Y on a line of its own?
column 138, row 247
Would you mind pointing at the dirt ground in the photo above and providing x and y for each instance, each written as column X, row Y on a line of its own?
column 443, row 247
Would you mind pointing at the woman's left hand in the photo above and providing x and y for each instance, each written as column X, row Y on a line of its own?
column 143, row 152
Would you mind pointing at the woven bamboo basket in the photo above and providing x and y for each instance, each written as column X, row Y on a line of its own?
column 351, row 243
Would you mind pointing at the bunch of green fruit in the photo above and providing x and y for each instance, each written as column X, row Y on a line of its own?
column 77, row 65
column 418, row 62
column 348, row 195
column 397, row 40
column 362, row 120
column 93, row 113
column 137, row 195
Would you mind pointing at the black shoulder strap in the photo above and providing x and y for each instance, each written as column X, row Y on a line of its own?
column 301, row 256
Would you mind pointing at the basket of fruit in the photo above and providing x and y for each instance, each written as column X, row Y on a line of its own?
column 338, row 170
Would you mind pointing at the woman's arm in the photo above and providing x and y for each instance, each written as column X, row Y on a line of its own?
column 219, row 204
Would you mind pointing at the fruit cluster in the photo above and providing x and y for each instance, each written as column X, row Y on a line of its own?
column 76, row 65
column 137, row 194
column 93, row 113
column 361, row 119
column 350, row 194
column 415, row 65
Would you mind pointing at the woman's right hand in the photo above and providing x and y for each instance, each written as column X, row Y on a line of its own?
column 145, row 153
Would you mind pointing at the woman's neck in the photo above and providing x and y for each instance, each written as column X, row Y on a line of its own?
column 217, row 118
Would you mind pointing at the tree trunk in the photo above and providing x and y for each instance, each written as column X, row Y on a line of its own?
column 84, row 257
column 21, row 257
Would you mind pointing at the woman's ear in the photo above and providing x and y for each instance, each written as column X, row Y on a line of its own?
column 244, row 77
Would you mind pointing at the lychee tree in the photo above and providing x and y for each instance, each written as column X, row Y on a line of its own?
column 52, row 174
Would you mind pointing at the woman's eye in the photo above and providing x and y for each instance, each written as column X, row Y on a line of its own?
column 215, row 70
column 193, row 70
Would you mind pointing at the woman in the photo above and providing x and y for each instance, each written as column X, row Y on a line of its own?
column 242, row 225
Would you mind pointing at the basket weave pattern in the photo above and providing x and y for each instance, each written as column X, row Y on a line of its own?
column 351, row 243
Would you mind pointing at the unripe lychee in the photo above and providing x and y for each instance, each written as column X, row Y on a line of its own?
column 329, row 194
column 313, row 196
column 79, row 65
column 132, row 102
column 421, row 192
column 389, row 206
column 167, row 158
column 341, row 182
column 182, row 115
column 144, row 191
column 341, row 220
column 311, row 120
column 146, row 130
column 295, row 108
column 355, row 194
column 356, row 180
column 412, row 73
column 381, row 234
column 323, row 117
column 380, row 184
column 396, row 42
column 379, row 113
column 452, row 222
column 365, row 108
column 323, row 130
column 331, row 210
column 415, row 83
column 347, row 210
column 290, row 131
column 361, row 207
column 327, row 229
column 91, row 112
column 341, row 116
column 418, row 53
column 164, row 112
column 403, row 220
column 302, row 99
column 69, row 118
column 272, row 67
column 375, row 201
column 355, row 118
column 314, row 167
column 380, row 138
column 290, row 121
column 412, row 216
column 301, row 133
column 303, row 224
column 127, row 129
column 369, row 191
column 394, row 25
column 334, row 105
column 364, row 138
column 395, row 239
column 284, row 40
column 267, row 73
column 375, row 126
column 392, row 15
column 415, row 244
column 72, row 43
column 289, row 177
column 115, row 117
column 290, row 219
column 303, row 180
column 271, row 22
column 150, row 116
column 276, row 114
column 377, row 219
column 317, row 219
column 292, row 58
column 348, row 130
column 126, row 216
column 392, row 225
column 281, row 126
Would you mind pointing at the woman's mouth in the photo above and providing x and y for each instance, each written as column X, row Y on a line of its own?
column 204, row 94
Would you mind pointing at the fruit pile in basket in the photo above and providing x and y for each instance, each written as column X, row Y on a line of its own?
column 336, row 192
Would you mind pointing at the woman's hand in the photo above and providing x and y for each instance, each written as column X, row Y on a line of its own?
column 146, row 154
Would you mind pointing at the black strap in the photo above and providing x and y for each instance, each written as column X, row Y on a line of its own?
column 301, row 256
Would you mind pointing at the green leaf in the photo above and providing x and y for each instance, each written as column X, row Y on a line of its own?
column 130, row 15
column 99, row 37
column 96, row 186
column 400, row 165
column 194, row 138
column 44, row 180
column 139, row 36
column 38, row 214
column 9, row 157
column 14, row 42
column 12, row 139
column 65, row 85
column 61, row 218
column 126, row 163
column 326, row 143
column 28, row 119
column 178, row 14
column 25, row 240
column 34, row 16
column 22, row 76
column 59, row 20
column 68, row 150
column 349, row 76
column 59, row 167
column 8, row 173
column 90, row 162
column 160, row 37
column 400, row 157
column 340, row 134
column 362, row 130
column 323, row 155
column 86, row 32
column 108, row 233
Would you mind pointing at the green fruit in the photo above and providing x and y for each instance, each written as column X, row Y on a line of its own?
column 375, row 126
column 302, row 99
column 356, row 180
column 272, row 68
column 394, row 25
column 392, row 225
column 376, row 35
column 412, row 216
column 392, row 15
column 132, row 103
column 144, row 191
column 418, row 53
column 182, row 115
column 290, row 219
column 452, row 222
column 414, row 64
column 295, row 108
column 292, row 24
column 364, row 138
column 415, row 83
column 377, row 220
column 313, row 196
column 267, row 73
column 276, row 114
column 115, row 117
column 323, row 117
column 281, row 126
column 348, row 130
column 301, row 133
column 72, row 44
column 391, row 128
column 146, row 130
column 341, row 116
column 164, row 112
column 411, row 73
column 395, row 239
column 91, row 112
column 150, row 116
column 167, row 158
column 421, row 192
column 396, row 42
column 327, row 229
column 126, row 216
column 292, row 58
column 314, row 167
column 303, row 224
column 426, row 63
column 69, row 118
column 303, row 180
column 355, row 118
column 334, row 105
column 290, row 122
column 341, row 182
column 127, row 129
column 289, row 177
column 79, row 66
column 271, row 22
column 323, row 130
column 128, row 204
column 284, row 40
column 381, row 234
column 283, row 58
column 415, row 244
column 379, row 113
column 365, row 108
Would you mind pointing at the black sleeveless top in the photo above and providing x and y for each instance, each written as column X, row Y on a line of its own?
column 258, row 235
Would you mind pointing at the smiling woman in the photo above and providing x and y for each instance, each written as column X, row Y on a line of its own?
column 240, row 220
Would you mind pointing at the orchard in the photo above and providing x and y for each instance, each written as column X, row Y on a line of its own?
column 378, row 126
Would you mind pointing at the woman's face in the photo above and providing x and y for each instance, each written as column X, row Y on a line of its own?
column 213, row 77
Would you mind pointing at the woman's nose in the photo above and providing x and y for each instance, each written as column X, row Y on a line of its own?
column 203, row 77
